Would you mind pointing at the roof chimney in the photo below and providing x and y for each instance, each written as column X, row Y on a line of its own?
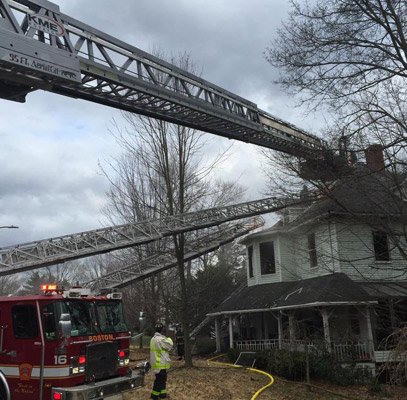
column 374, row 157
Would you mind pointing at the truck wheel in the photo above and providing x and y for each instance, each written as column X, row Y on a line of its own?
column 3, row 395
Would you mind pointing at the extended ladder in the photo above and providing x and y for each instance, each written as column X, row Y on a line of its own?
column 41, row 48
column 56, row 250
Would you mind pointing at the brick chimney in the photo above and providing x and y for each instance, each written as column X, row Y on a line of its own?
column 374, row 157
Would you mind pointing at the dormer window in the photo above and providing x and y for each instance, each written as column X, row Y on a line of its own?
column 267, row 259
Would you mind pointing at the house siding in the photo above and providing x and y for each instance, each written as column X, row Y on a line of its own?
column 357, row 257
column 341, row 246
column 326, row 248
column 287, row 259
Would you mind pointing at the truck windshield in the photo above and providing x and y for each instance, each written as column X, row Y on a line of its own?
column 82, row 317
column 87, row 317
column 110, row 315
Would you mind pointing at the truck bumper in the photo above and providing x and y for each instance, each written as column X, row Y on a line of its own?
column 102, row 389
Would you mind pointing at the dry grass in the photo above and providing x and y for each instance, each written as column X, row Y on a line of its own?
column 213, row 382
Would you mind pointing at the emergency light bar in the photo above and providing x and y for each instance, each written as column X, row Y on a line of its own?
column 51, row 288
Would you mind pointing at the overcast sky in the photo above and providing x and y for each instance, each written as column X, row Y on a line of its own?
column 50, row 181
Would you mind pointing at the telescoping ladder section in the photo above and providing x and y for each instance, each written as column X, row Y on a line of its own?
column 42, row 48
column 56, row 250
column 161, row 261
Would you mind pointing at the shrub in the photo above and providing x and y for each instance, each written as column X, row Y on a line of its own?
column 233, row 354
column 205, row 346
column 322, row 364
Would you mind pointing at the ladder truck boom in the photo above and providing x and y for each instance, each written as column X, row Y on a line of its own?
column 56, row 250
column 52, row 51
column 162, row 261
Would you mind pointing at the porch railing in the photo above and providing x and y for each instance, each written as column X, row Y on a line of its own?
column 359, row 351
column 256, row 345
column 269, row 344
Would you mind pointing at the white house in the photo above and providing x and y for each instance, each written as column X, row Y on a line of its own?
column 333, row 272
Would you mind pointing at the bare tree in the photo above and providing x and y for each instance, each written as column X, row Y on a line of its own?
column 9, row 285
column 351, row 56
column 163, row 172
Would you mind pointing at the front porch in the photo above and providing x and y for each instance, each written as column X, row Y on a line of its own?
column 344, row 331
column 327, row 313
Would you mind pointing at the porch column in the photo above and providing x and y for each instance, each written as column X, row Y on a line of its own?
column 218, row 335
column 369, row 332
column 266, row 316
column 325, row 322
column 291, row 326
column 280, row 330
column 230, row 331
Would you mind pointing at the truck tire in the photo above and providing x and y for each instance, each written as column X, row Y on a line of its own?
column 4, row 391
column 3, row 395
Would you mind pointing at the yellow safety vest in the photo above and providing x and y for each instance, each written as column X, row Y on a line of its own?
column 159, row 348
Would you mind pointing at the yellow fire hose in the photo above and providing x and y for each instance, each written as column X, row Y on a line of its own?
column 254, row 397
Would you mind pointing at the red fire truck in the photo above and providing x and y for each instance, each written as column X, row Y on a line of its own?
column 65, row 345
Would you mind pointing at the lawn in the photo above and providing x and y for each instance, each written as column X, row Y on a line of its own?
column 215, row 382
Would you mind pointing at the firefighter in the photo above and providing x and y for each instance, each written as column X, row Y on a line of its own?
column 160, row 360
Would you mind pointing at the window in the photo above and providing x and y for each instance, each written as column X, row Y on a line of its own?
column 267, row 261
column 381, row 246
column 250, row 255
column 82, row 317
column 312, row 251
column 111, row 318
column 50, row 322
column 25, row 324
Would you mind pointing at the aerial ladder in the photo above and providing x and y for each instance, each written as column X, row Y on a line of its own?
column 43, row 49
column 162, row 260
column 46, row 252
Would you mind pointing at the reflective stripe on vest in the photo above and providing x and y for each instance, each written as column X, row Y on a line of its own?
column 158, row 353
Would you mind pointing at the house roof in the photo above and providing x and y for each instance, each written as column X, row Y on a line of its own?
column 278, row 227
column 360, row 193
column 330, row 289
column 385, row 289
column 258, row 297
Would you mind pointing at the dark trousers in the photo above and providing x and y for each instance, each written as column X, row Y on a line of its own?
column 159, row 388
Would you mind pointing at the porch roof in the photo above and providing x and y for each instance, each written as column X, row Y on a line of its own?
column 386, row 289
column 332, row 289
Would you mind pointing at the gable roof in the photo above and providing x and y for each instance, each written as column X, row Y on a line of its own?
column 330, row 289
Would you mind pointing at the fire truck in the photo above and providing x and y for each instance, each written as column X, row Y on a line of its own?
column 72, row 344
column 65, row 345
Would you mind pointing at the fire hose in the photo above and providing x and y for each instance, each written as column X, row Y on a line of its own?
column 254, row 397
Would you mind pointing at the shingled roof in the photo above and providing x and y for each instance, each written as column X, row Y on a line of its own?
column 387, row 289
column 330, row 289
column 361, row 193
